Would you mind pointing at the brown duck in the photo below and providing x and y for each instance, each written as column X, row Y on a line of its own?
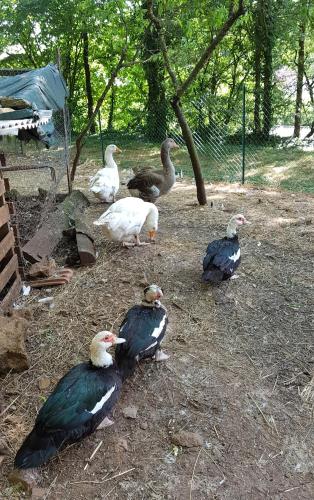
column 148, row 184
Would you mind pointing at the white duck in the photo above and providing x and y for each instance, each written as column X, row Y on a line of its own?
column 105, row 184
column 124, row 220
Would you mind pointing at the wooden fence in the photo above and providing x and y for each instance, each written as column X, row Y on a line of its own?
column 10, row 280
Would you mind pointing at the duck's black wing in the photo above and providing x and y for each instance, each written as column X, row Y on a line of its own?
column 80, row 401
column 78, row 396
column 221, row 259
column 143, row 328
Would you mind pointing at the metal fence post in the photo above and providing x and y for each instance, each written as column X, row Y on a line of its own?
column 243, row 134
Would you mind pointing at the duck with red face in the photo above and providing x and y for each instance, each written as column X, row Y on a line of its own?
column 143, row 328
column 80, row 403
column 223, row 256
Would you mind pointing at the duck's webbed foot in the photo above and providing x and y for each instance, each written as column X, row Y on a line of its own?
column 140, row 243
column 161, row 356
column 128, row 244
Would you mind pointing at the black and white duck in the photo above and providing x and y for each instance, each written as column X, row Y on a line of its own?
column 80, row 403
column 148, row 184
column 143, row 328
column 223, row 256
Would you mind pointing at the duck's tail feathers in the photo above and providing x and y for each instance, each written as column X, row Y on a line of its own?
column 212, row 276
column 36, row 450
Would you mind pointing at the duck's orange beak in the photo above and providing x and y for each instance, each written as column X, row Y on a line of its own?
column 118, row 150
column 152, row 235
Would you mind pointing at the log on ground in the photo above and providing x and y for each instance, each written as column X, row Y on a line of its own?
column 85, row 241
column 48, row 236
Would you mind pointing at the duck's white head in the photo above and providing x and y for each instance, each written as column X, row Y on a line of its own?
column 235, row 222
column 152, row 295
column 112, row 148
column 99, row 345
column 151, row 222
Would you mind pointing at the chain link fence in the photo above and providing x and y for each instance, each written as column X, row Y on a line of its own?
column 230, row 148
column 37, row 171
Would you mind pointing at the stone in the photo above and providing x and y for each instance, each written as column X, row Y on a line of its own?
column 13, row 355
column 38, row 493
column 44, row 382
column 187, row 439
column 26, row 479
column 43, row 269
column 24, row 313
column 130, row 412
column 122, row 444
column 143, row 425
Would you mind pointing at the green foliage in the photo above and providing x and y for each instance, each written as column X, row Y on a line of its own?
column 41, row 27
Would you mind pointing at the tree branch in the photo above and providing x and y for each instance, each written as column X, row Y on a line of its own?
column 233, row 16
column 82, row 134
column 163, row 45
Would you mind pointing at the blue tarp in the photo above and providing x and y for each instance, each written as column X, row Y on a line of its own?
column 43, row 88
column 40, row 89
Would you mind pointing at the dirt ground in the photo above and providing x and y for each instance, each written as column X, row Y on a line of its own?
column 241, row 353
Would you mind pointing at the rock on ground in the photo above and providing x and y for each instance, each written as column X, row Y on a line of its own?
column 130, row 412
column 13, row 355
column 187, row 439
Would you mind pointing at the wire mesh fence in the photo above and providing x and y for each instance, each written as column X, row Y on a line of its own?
column 36, row 169
column 229, row 145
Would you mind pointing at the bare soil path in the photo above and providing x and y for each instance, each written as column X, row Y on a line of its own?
column 241, row 353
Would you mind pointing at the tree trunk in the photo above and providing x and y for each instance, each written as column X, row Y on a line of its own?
column 311, row 132
column 156, row 121
column 111, row 110
column 298, row 102
column 88, row 85
column 268, row 66
column 181, row 88
column 257, row 77
column 189, row 141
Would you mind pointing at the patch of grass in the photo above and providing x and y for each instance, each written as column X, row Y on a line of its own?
column 289, row 169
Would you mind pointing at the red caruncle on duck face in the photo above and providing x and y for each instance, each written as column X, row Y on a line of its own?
column 241, row 220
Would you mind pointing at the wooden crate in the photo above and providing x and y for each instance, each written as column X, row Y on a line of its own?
column 10, row 280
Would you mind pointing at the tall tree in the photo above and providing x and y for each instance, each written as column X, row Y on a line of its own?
column 304, row 10
column 156, row 121
column 257, row 68
column 268, row 44
column 263, row 66
column 88, row 85
column 180, row 89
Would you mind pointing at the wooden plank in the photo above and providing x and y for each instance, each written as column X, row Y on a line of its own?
column 2, row 187
column 85, row 241
column 4, row 215
column 13, row 293
column 6, row 183
column 49, row 235
column 11, row 207
column 86, row 249
column 7, row 272
column 6, row 244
